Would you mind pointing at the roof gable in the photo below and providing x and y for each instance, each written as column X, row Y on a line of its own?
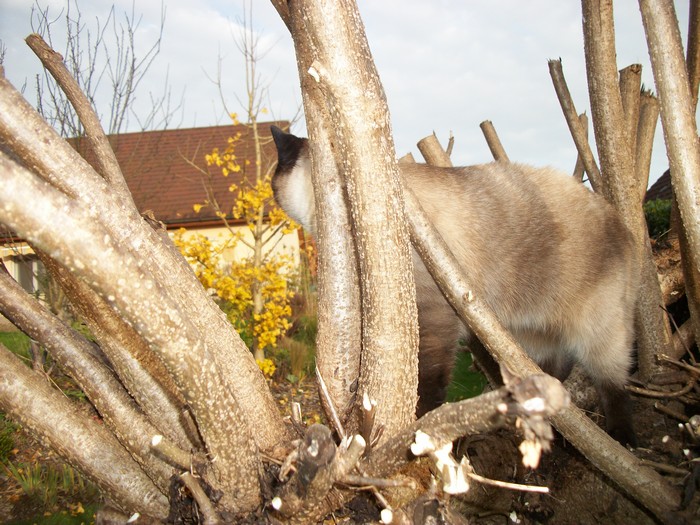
column 661, row 189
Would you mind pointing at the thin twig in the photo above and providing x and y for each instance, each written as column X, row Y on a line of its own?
column 507, row 485
column 685, row 366
column 331, row 406
column 170, row 452
column 493, row 141
column 365, row 482
column 369, row 409
column 663, row 467
column 205, row 505
column 671, row 413
column 572, row 119
column 108, row 166
column 660, row 394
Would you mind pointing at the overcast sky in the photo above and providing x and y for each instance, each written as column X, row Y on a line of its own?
column 446, row 65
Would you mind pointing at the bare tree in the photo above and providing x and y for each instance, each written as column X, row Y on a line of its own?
column 103, row 60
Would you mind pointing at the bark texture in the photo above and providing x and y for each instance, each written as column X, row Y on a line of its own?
column 339, row 337
column 617, row 162
column 76, row 356
column 141, row 372
column 68, row 211
column 678, row 102
column 54, row 161
column 342, row 65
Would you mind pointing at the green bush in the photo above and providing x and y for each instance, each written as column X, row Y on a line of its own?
column 466, row 382
column 658, row 216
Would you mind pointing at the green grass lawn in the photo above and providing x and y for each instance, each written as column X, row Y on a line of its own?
column 16, row 342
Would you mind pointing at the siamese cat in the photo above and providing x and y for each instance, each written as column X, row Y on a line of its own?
column 551, row 258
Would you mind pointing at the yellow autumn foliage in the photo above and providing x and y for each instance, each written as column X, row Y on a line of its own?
column 267, row 367
column 235, row 283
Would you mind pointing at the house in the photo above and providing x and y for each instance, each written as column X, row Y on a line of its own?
column 167, row 175
column 661, row 189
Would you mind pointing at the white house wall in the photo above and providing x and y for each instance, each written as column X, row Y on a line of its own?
column 287, row 244
column 23, row 266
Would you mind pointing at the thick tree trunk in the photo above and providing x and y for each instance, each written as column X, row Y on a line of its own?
column 616, row 160
column 141, row 372
column 680, row 129
column 142, row 300
column 58, row 164
column 341, row 64
column 338, row 341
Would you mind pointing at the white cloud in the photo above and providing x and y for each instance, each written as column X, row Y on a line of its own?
column 445, row 65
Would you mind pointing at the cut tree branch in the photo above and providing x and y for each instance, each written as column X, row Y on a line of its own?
column 630, row 86
column 446, row 423
column 578, row 133
column 617, row 162
column 646, row 128
column 433, row 153
column 494, row 143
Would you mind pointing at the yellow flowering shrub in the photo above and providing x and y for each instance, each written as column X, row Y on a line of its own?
column 238, row 283
column 267, row 367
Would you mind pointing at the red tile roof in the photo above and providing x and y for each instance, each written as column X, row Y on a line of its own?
column 157, row 169
column 661, row 189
